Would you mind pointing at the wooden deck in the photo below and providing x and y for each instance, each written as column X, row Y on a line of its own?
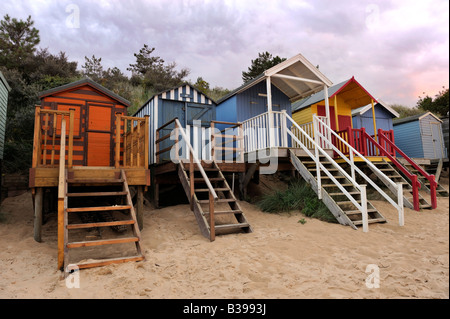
column 49, row 176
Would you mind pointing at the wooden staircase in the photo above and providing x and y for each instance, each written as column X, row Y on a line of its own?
column 392, row 172
column 337, row 202
column 97, row 204
column 440, row 190
column 228, row 216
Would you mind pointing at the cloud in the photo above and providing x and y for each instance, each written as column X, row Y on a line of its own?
column 394, row 48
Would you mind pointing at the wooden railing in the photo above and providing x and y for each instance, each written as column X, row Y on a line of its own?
column 47, row 144
column 221, row 149
column 357, row 139
column 131, row 141
column 178, row 131
column 383, row 139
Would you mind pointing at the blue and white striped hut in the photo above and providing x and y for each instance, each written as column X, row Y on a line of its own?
column 184, row 102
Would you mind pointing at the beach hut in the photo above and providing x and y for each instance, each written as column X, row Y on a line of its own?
column 420, row 136
column 89, row 154
column 343, row 98
column 363, row 117
column 184, row 102
column 4, row 91
column 261, row 102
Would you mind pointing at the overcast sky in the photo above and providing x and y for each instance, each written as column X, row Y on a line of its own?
column 396, row 49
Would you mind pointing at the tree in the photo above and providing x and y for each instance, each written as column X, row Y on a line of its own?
column 405, row 111
column 93, row 68
column 202, row 85
column 439, row 105
column 18, row 40
column 153, row 74
column 144, row 61
column 264, row 61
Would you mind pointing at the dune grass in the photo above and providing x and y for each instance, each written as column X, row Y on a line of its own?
column 298, row 196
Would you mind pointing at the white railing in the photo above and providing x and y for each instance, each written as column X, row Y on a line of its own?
column 319, row 151
column 309, row 129
column 258, row 136
column 321, row 130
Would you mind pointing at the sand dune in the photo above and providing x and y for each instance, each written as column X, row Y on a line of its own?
column 280, row 259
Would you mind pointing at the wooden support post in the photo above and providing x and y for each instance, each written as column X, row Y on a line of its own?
column 269, row 113
column 37, row 137
column 374, row 121
column 140, row 207
column 61, row 195
column 336, row 113
column 71, row 129
column 213, row 141
column 117, row 155
column 146, row 141
column 365, row 217
column 327, row 112
column 191, row 179
column 125, row 142
column 212, row 227
column 38, row 205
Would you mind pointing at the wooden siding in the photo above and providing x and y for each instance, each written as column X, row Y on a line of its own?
column 445, row 131
column 383, row 120
column 184, row 102
column 303, row 116
column 94, row 123
column 408, row 139
column 432, row 139
column 252, row 102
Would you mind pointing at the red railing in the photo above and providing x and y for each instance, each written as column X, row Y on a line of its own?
column 367, row 146
column 433, row 185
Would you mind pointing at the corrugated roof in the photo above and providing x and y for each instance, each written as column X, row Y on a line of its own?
column 82, row 82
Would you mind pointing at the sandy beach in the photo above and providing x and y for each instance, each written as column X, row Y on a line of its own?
column 282, row 258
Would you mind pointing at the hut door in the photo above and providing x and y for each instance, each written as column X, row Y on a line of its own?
column 98, row 131
column 437, row 140
column 322, row 112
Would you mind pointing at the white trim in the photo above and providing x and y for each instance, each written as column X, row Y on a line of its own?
column 429, row 113
column 294, row 78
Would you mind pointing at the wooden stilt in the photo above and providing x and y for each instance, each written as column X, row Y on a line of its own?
column 38, row 205
column 140, row 207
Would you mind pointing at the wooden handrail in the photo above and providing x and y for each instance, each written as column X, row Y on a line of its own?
column 167, row 124
column 129, row 138
column 61, row 194
column 39, row 149
column 412, row 177
column 429, row 177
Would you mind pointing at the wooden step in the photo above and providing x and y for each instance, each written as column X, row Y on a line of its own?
column 103, row 262
column 224, row 200
column 100, row 224
column 337, row 177
column 95, row 181
column 231, row 226
column 342, row 194
column 355, row 212
column 334, row 185
column 205, row 190
column 369, row 221
column 93, row 194
column 348, row 202
column 98, row 209
column 102, row 242
column 224, row 212
column 212, row 179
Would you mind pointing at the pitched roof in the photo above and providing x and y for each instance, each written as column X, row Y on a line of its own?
column 285, row 76
column 414, row 118
column 82, row 82
column 364, row 109
column 344, row 87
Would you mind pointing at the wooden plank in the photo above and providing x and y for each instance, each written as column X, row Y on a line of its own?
column 212, row 231
column 98, row 209
column 104, row 262
column 100, row 224
column 96, row 194
column 102, row 242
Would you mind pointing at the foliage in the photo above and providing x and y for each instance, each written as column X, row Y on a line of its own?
column 263, row 62
column 405, row 111
column 18, row 40
column 438, row 106
column 298, row 196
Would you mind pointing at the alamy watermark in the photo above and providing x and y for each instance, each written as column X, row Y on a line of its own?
column 73, row 276
column 73, row 19
column 373, row 279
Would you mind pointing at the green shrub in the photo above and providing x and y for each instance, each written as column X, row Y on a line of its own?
column 298, row 196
